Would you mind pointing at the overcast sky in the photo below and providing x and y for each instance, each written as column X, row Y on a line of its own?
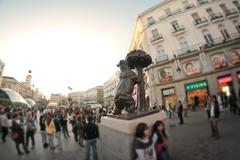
column 65, row 43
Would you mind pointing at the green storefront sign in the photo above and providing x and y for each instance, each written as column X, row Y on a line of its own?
column 196, row 85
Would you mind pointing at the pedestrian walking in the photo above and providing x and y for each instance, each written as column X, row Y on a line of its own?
column 31, row 129
column 180, row 112
column 57, row 123
column 4, row 126
column 160, row 141
column 74, row 128
column 220, row 101
column 65, row 126
column 80, row 126
column 50, row 127
column 18, row 135
column 214, row 116
column 42, row 120
column 90, row 135
column 185, row 108
column 143, row 144
column 233, row 103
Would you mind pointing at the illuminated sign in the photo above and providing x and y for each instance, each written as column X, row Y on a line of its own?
column 225, row 79
column 196, row 85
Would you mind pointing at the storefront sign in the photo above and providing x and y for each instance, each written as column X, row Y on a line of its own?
column 224, row 79
column 167, row 92
column 196, row 85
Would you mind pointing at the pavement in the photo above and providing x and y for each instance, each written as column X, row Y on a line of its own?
column 193, row 141
column 190, row 141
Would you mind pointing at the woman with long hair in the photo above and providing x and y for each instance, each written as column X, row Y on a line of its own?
column 143, row 144
column 160, row 139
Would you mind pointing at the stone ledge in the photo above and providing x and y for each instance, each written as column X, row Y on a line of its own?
column 128, row 126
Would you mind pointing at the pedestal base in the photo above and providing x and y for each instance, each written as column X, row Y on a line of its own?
column 117, row 135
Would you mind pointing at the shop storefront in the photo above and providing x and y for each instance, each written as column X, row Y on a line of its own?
column 225, row 84
column 169, row 97
column 197, row 91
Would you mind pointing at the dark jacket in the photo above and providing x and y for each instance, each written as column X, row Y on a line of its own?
column 42, row 123
column 57, row 124
column 16, row 128
column 180, row 109
column 90, row 131
column 216, row 111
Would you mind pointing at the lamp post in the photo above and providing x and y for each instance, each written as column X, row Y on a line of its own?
column 177, row 63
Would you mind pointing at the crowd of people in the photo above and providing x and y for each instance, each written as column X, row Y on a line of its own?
column 150, row 143
column 22, row 123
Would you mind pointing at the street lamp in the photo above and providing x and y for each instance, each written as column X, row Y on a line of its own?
column 177, row 63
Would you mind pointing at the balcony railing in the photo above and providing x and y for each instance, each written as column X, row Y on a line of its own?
column 178, row 29
column 188, row 6
column 170, row 14
column 151, row 22
column 200, row 2
column 230, row 12
column 220, row 40
column 200, row 21
column 186, row 50
column 205, row 45
column 154, row 39
column 215, row 16
column 161, row 58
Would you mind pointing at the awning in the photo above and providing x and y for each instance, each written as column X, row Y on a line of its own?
column 8, row 95
column 30, row 102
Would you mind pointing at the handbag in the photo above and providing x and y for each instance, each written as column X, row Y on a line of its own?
column 14, row 135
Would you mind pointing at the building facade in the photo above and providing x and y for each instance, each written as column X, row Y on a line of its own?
column 10, row 83
column 57, row 98
column 109, row 89
column 94, row 95
column 77, row 96
column 2, row 65
column 195, row 47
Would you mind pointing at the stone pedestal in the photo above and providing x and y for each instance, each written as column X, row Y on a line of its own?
column 117, row 135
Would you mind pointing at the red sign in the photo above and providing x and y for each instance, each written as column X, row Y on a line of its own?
column 224, row 79
column 238, row 75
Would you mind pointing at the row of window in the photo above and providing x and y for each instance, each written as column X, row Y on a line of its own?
column 197, row 20
column 184, row 46
column 187, row 5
